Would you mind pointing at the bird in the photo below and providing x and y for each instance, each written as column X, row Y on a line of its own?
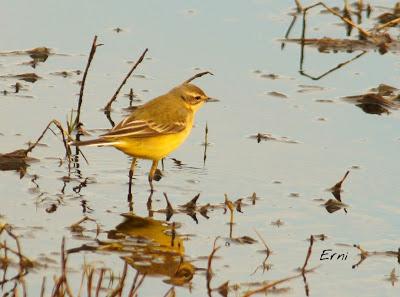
column 155, row 129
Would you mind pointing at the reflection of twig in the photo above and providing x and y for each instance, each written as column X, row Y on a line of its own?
column 344, row 19
column 209, row 273
column 170, row 292
column 100, row 280
column 23, row 261
column 118, row 290
column 303, row 272
column 340, row 65
column 133, row 293
column 59, row 126
column 289, row 30
column 91, row 55
column 303, row 269
column 271, row 285
column 43, row 287
column 362, row 32
column 267, row 251
column 365, row 254
column 205, row 145
column 197, row 76
column 62, row 283
column 76, row 227
column 107, row 108
column 169, row 209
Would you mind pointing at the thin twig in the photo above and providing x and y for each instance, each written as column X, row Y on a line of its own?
column 59, row 126
column 99, row 282
column 90, row 281
column 263, row 241
column 391, row 23
column 209, row 273
column 289, row 29
column 170, row 292
column 42, row 290
column 107, row 108
column 133, row 284
column 303, row 269
column 138, row 285
column 298, row 6
column 271, row 285
column 346, row 20
column 91, row 55
column 118, row 290
column 197, row 76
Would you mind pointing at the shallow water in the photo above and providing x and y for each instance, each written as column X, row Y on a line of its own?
column 238, row 42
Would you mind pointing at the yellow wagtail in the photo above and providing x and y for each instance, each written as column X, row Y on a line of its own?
column 155, row 129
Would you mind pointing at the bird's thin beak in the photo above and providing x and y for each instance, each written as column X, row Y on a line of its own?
column 211, row 99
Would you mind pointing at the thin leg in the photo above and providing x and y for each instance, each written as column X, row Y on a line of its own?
column 151, row 174
column 131, row 171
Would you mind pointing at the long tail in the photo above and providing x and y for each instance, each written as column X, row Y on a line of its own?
column 93, row 142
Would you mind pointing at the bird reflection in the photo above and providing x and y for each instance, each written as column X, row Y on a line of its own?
column 162, row 250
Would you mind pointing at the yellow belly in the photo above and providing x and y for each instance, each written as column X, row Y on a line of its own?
column 152, row 148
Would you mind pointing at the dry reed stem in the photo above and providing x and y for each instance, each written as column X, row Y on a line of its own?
column 90, row 58
column 107, row 108
column 197, row 76
column 349, row 22
column 209, row 273
column 303, row 269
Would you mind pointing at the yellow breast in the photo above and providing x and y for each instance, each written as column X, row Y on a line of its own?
column 153, row 148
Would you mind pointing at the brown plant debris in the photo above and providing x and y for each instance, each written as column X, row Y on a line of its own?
column 209, row 272
column 337, row 188
column 277, row 94
column 85, row 73
column 379, row 100
column 269, row 137
column 28, row 77
column 197, row 76
column 393, row 278
column 364, row 254
column 107, row 107
column 18, row 160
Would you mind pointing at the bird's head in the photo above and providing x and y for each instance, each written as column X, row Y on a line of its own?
column 193, row 96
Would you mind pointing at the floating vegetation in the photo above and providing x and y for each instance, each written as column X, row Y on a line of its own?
column 66, row 73
column 376, row 39
column 277, row 94
column 379, row 100
column 364, row 254
column 118, row 30
column 18, row 160
column 278, row 223
column 28, row 77
column 333, row 205
column 393, row 278
column 270, row 137
column 310, row 88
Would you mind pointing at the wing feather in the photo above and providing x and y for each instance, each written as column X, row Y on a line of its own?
column 141, row 128
column 155, row 118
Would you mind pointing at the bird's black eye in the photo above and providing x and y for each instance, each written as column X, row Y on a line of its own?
column 197, row 97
